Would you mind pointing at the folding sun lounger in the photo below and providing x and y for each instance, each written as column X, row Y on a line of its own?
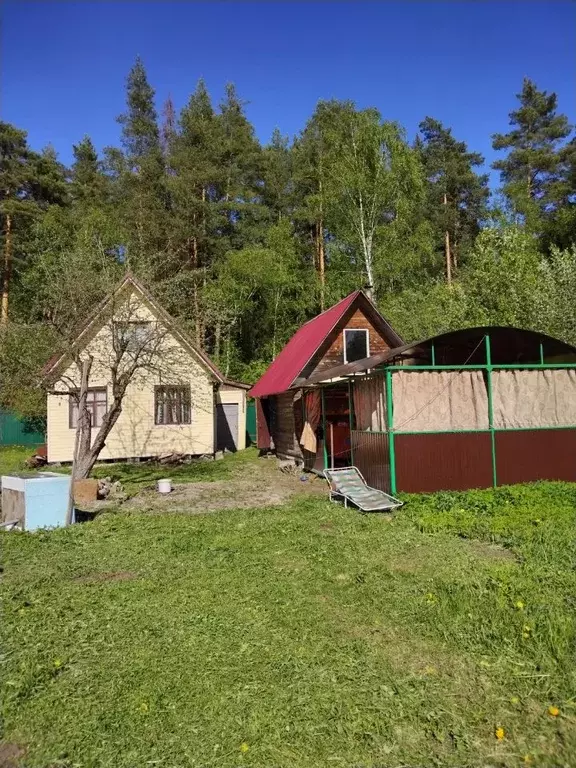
column 348, row 483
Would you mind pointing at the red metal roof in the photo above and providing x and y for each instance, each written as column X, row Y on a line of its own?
column 300, row 349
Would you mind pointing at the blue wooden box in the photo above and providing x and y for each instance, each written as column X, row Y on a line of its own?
column 35, row 499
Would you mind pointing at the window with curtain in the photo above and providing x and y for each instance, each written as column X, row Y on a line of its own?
column 96, row 402
column 172, row 405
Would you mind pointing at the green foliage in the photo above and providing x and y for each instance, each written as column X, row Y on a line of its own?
column 457, row 195
column 419, row 313
column 501, row 280
column 297, row 636
column 556, row 289
column 24, row 348
column 529, row 171
column 242, row 243
column 88, row 181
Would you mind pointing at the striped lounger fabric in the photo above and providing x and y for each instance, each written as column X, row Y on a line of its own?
column 348, row 483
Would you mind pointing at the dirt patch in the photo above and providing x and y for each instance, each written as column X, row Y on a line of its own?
column 262, row 485
column 100, row 578
column 10, row 754
column 487, row 551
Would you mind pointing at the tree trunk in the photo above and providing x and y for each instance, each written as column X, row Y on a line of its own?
column 275, row 331
column 217, row 337
column 83, row 430
column 87, row 460
column 321, row 259
column 7, row 272
column 447, row 248
column 320, row 241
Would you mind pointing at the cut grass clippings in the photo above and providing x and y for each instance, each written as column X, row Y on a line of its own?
column 298, row 636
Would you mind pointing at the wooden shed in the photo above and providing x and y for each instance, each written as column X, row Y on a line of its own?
column 350, row 330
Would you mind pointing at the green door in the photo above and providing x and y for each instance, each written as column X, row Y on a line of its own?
column 251, row 422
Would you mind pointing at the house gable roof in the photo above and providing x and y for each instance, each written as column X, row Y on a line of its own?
column 293, row 358
column 129, row 282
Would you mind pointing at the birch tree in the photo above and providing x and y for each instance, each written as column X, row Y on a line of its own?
column 374, row 180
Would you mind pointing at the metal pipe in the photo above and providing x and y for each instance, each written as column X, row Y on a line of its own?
column 325, row 451
column 491, row 409
column 332, row 445
column 350, row 419
column 496, row 367
column 390, row 424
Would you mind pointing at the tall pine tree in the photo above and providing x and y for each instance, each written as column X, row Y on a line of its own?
column 142, row 178
column 88, row 180
column 31, row 182
column 456, row 194
column 529, row 171
column 195, row 179
column 278, row 191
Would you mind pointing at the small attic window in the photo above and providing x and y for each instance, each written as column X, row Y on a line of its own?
column 133, row 335
column 356, row 344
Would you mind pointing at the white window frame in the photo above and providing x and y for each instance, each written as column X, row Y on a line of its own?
column 366, row 331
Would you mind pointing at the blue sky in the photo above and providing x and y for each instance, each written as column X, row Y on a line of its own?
column 63, row 64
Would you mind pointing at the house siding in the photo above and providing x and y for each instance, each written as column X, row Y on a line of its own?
column 135, row 434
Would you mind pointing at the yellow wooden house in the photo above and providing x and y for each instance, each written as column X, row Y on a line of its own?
column 177, row 401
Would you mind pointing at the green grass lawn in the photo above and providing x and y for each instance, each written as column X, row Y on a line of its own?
column 13, row 458
column 136, row 476
column 303, row 635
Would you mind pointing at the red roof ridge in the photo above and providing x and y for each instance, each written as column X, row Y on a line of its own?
column 300, row 349
column 350, row 295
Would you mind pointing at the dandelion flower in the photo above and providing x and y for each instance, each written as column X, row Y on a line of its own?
column 553, row 711
column 499, row 733
column 143, row 707
column 519, row 604
column 527, row 759
column 244, row 747
column 514, row 700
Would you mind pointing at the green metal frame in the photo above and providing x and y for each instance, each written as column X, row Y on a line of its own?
column 488, row 367
column 390, row 420
column 350, row 419
column 491, row 409
column 325, row 449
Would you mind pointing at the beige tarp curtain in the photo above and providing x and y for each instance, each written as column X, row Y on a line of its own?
column 370, row 404
column 534, row 398
column 432, row 401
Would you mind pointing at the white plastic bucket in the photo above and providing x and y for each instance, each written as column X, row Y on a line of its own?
column 164, row 486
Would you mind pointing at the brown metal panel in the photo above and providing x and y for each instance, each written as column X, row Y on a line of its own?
column 539, row 454
column 370, row 454
column 446, row 462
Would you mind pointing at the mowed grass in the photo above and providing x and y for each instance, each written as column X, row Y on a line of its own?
column 303, row 635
